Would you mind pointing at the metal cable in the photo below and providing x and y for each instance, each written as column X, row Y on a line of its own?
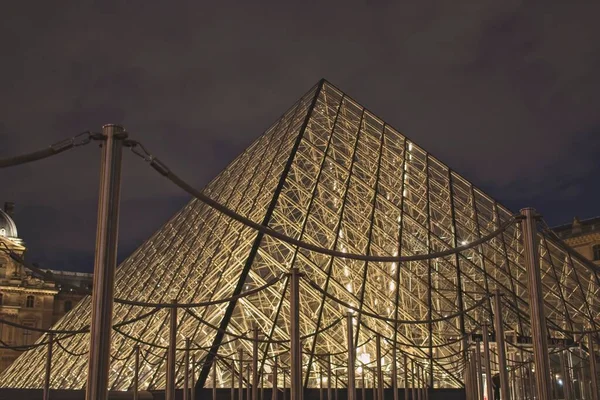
column 52, row 150
column 399, row 321
column 161, row 168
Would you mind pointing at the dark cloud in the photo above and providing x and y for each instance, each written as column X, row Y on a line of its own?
column 504, row 92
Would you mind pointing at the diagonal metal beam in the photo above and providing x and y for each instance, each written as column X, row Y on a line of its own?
column 255, row 246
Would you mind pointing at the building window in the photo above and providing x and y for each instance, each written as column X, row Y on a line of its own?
column 68, row 305
column 29, row 303
column 27, row 334
column 596, row 252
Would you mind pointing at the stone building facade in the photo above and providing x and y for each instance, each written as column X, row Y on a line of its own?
column 583, row 236
column 25, row 299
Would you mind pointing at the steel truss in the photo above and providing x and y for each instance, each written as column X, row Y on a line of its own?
column 331, row 173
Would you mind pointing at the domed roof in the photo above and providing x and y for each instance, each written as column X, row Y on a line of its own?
column 8, row 229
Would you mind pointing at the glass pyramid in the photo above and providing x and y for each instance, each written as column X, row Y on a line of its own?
column 333, row 174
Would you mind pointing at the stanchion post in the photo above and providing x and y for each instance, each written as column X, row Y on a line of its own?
column 329, row 396
column 379, row 370
column 232, row 389
column 488, row 362
column 593, row 367
column 214, row 379
column 419, row 397
column 363, row 386
column 170, row 384
column 136, row 372
column 186, row 371
column 105, row 260
column 193, row 385
column 536, row 301
column 394, row 372
column 48, row 372
column 564, row 364
column 351, row 356
column 241, row 374
column 248, row 384
column 500, row 346
column 275, row 367
column 479, row 369
column 296, row 360
column 413, row 390
column 405, row 366
column 321, row 382
column 255, row 363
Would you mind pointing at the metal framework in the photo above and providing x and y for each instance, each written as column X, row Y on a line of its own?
column 331, row 173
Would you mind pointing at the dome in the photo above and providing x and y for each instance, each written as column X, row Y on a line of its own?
column 8, row 229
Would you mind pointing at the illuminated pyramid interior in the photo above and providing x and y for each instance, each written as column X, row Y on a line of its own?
column 331, row 173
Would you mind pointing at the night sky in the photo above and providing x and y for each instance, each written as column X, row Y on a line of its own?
column 504, row 92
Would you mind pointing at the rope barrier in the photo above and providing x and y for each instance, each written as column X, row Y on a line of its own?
column 70, row 352
column 53, row 149
column 55, row 331
column 115, row 358
column 204, row 303
column 162, row 169
column 150, row 363
column 399, row 321
column 568, row 332
column 392, row 341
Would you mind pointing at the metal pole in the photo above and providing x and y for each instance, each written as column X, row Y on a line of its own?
column 351, row 356
column 193, row 386
column 105, row 260
column 379, row 371
column 405, row 364
column 479, row 369
column 337, row 384
column 232, row 380
column 593, row 367
column 241, row 374
column 136, row 372
column 419, row 391
column 363, row 384
column 536, row 301
column 501, row 347
column 566, row 375
column 46, row 394
column 413, row 390
column 469, row 375
column 296, row 361
column 170, row 385
column 284, row 388
column 248, row 387
column 255, row 363
column 262, row 386
column 186, row 370
column 275, row 366
column 394, row 373
column 214, row 379
column 488, row 363
column 320, row 382
column 374, row 373
column 329, row 396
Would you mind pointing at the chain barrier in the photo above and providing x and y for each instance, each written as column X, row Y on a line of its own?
column 76, row 141
column 162, row 169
